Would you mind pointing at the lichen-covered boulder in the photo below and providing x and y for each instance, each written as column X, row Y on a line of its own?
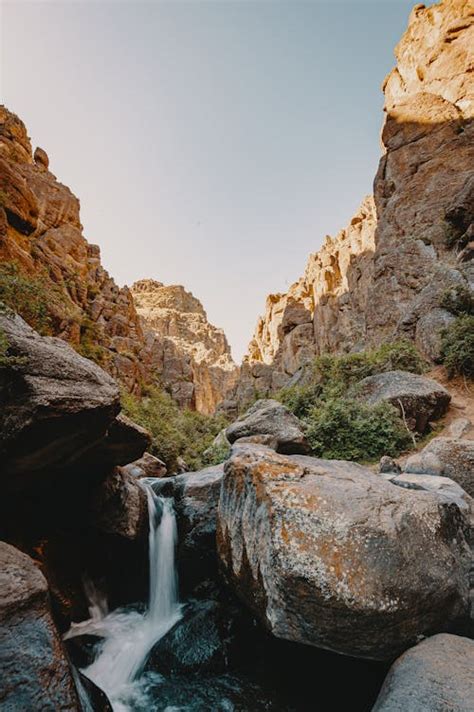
column 330, row 554
column 448, row 457
column 34, row 671
column 436, row 675
column 418, row 399
column 269, row 417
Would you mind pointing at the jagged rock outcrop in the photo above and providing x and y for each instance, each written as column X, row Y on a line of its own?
column 191, row 355
column 41, row 238
column 41, row 235
column 386, row 273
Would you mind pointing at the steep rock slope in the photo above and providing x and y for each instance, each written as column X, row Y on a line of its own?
column 193, row 356
column 47, row 263
column 384, row 275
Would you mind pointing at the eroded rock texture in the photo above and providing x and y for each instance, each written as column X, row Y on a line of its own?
column 191, row 355
column 384, row 275
column 41, row 236
column 35, row 674
column 329, row 554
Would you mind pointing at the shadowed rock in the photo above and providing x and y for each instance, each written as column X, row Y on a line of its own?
column 35, row 674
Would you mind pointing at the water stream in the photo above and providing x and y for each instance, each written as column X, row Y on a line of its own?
column 130, row 635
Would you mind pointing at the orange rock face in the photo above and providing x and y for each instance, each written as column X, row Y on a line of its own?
column 41, row 234
column 193, row 356
column 384, row 275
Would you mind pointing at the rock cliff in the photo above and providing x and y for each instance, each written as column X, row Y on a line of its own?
column 192, row 356
column 384, row 275
column 53, row 276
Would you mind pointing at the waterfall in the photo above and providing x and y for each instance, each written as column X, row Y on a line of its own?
column 129, row 635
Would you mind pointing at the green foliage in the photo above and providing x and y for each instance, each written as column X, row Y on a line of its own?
column 29, row 296
column 215, row 454
column 459, row 300
column 89, row 346
column 333, row 375
column 338, row 425
column 457, row 346
column 343, row 428
column 6, row 360
column 175, row 433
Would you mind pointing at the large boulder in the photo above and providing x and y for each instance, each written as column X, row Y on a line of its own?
column 418, row 399
column 196, row 497
column 35, row 673
column 330, row 554
column 55, row 403
column 436, row 675
column 269, row 417
column 119, row 507
column 449, row 457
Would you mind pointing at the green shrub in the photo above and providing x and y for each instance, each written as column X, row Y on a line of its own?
column 26, row 295
column 457, row 346
column 215, row 454
column 175, row 433
column 7, row 360
column 459, row 300
column 332, row 375
column 346, row 429
column 88, row 344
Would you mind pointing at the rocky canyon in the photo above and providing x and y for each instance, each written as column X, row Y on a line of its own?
column 296, row 533
column 383, row 276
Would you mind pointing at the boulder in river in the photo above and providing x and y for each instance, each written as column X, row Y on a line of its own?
column 271, row 418
column 328, row 553
column 196, row 496
column 35, row 671
column 436, row 675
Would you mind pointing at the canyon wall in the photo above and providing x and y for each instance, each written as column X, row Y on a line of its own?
column 384, row 275
column 193, row 356
column 54, row 278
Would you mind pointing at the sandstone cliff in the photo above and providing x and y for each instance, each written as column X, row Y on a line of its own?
column 385, row 274
column 53, row 276
column 191, row 355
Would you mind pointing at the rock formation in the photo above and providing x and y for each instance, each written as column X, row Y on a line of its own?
column 41, row 238
column 191, row 355
column 385, row 274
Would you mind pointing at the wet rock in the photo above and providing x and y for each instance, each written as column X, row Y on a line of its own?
column 269, row 417
column 448, row 457
column 90, row 695
column 318, row 550
column 196, row 496
column 35, row 672
column 82, row 649
column 120, row 507
column 419, row 399
column 434, row 675
column 203, row 641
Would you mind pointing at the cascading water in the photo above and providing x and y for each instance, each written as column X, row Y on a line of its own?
column 130, row 635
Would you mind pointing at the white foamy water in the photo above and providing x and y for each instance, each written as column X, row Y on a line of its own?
column 130, row 635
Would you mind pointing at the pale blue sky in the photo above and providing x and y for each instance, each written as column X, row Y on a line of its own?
column 212, row 144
